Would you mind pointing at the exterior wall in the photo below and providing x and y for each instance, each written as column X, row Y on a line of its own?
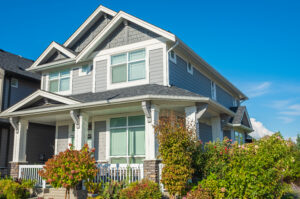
column 55, row 57
column 227, row 133
column 62, row 138
column 179, row 77
column 101, row 76
column 40, row 140
column 156, row 61
column 4, row 138
column 100, row 140
column 82, row 84
column 224, row 98
column 205, row 132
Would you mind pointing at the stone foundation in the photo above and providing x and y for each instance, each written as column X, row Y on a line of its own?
column 151, row 170
column 14, row 169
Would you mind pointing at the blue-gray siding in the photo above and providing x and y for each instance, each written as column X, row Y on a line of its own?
column 156, row 66
column 4, row 135
column 82, row 84
column 62, row 138
column 224, row 98
column 101, row 75
column 100, row 140
column 205, row 132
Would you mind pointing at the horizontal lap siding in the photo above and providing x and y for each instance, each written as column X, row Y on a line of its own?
column 100, row 140
column 205, row 132
column 82, row 84
column 101, row 75
column 156, row 66
column 197, row 82
column 62, row 138
column 224, row 98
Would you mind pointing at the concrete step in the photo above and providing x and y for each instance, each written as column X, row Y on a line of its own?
column 52, row 193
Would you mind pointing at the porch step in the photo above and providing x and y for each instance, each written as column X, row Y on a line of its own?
column 52, row 193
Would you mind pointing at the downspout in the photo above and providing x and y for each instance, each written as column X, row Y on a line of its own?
column 167, row 69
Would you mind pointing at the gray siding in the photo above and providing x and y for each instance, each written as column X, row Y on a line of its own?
column 205, row 132
column 55, row 57
column 62, row 138
column 197, row 82
column 224, row 98
column 40, row 140
column 91, row 33
column 101, row 75
column 156, row 66
column 124, row 35
column 4, row 134
column 82, row 84
column 100, row 140
column 227, row 134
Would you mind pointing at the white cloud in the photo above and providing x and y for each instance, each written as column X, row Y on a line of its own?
column 286, row 120
column 280, row 104
column 293, row 110
column 257, row 90
column 259, row 129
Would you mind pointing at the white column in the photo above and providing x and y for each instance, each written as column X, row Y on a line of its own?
column 20, row 139
column 81, row 131
column 216, row 128
column 151, row 143
column 191, row 119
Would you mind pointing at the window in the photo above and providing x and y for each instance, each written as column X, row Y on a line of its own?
column 59, row 81
column 127, row 139
column 85, row 70
column 173, row 57
column 239, row 137
column 129, row 66
column 14, row 83
column 213, row 91
column 190, row 68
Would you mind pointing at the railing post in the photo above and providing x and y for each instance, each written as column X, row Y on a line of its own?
column 20, row 171
column 44, row 184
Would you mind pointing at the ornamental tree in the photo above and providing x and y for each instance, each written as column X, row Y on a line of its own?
column 70, row 167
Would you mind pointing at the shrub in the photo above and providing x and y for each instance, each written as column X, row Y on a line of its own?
column 70, row 167
column 176, row 145
column 199, row 193
column 112, row 189
column 145, row 189
column 94, row 187
column 15, row 189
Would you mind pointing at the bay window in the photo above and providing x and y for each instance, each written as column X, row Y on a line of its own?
column 127, row 139
column 59, row 81
column 128, row 66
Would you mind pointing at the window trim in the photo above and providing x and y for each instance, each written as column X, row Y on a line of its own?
column 60, row 92
column 14, row 85
column 90, row 68
column 173, row 59
column 190, row 70
column 213, row 90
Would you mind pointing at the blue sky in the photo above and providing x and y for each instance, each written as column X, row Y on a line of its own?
column 253, row 43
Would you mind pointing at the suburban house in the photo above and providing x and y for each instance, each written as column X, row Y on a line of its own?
column 111, row 81
column 15, row 84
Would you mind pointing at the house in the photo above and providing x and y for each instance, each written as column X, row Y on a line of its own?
column 15, row 84
column 112, row 80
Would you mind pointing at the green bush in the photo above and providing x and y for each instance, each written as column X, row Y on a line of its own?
column 199, row 193
column 10, row 189
column 144, row 189
column 112, row 190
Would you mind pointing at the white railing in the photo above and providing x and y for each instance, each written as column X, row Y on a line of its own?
column 160, row 167
column 30, row 172
column 119, row 172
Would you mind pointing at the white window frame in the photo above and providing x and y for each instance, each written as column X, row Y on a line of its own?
column 16, row 85
column 127, row 127
column 213, row 90
column 190, row 68
column 60, row 92
column 90, row 68
column 173, row 59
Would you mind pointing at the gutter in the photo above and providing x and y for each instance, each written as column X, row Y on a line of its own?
column 167, row 69
column 249, row 130
column 52, row 65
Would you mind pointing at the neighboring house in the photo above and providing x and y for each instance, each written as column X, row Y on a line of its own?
column 112, row 80
column 15, row 84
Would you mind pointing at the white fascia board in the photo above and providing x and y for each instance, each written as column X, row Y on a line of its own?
column 53, row 65
column 113, row 24
column 118, row 101
column 36, row 96
column 240, row 126
column 100, row 9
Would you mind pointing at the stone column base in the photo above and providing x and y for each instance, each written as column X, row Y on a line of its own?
column 14, row 169
column 151, row 170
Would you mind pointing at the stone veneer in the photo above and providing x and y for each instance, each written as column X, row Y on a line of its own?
column 14, row 168
column 151, row 170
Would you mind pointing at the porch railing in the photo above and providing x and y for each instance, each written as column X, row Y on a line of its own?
column 30, row 172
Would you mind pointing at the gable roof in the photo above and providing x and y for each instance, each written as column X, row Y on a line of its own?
column 241, row 113
column 16, row 64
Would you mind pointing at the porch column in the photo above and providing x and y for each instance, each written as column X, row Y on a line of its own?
column 232, row 135
column 216, row 128
column 81, row 121
column 191, row 119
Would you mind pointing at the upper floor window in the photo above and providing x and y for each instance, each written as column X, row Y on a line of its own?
column 128, row 66
column 85, row 70
column 213, row 90
column 190, row 68
column 14, row 83
column 59, row 81
column 173, row 57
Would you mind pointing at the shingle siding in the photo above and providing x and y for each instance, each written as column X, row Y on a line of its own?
column 224, row 98
column 205, row 132
column 100, row 140
column 82, row 84
column 156, row 66
column 179, row 77
column 62, row 138
column 101, row 75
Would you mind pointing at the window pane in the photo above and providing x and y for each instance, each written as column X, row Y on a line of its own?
column 53, row 87
column 118, row 142
column 84, row 69
column 136, row 70
column 65, row 73
column 118, row 122
column 64, row 84
column 119, row 74
column 137, row 55
column 136, row 141
column 118, row 59
column 134, row 160
column 53, row 75
column 118, row 161
column 136, row 120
